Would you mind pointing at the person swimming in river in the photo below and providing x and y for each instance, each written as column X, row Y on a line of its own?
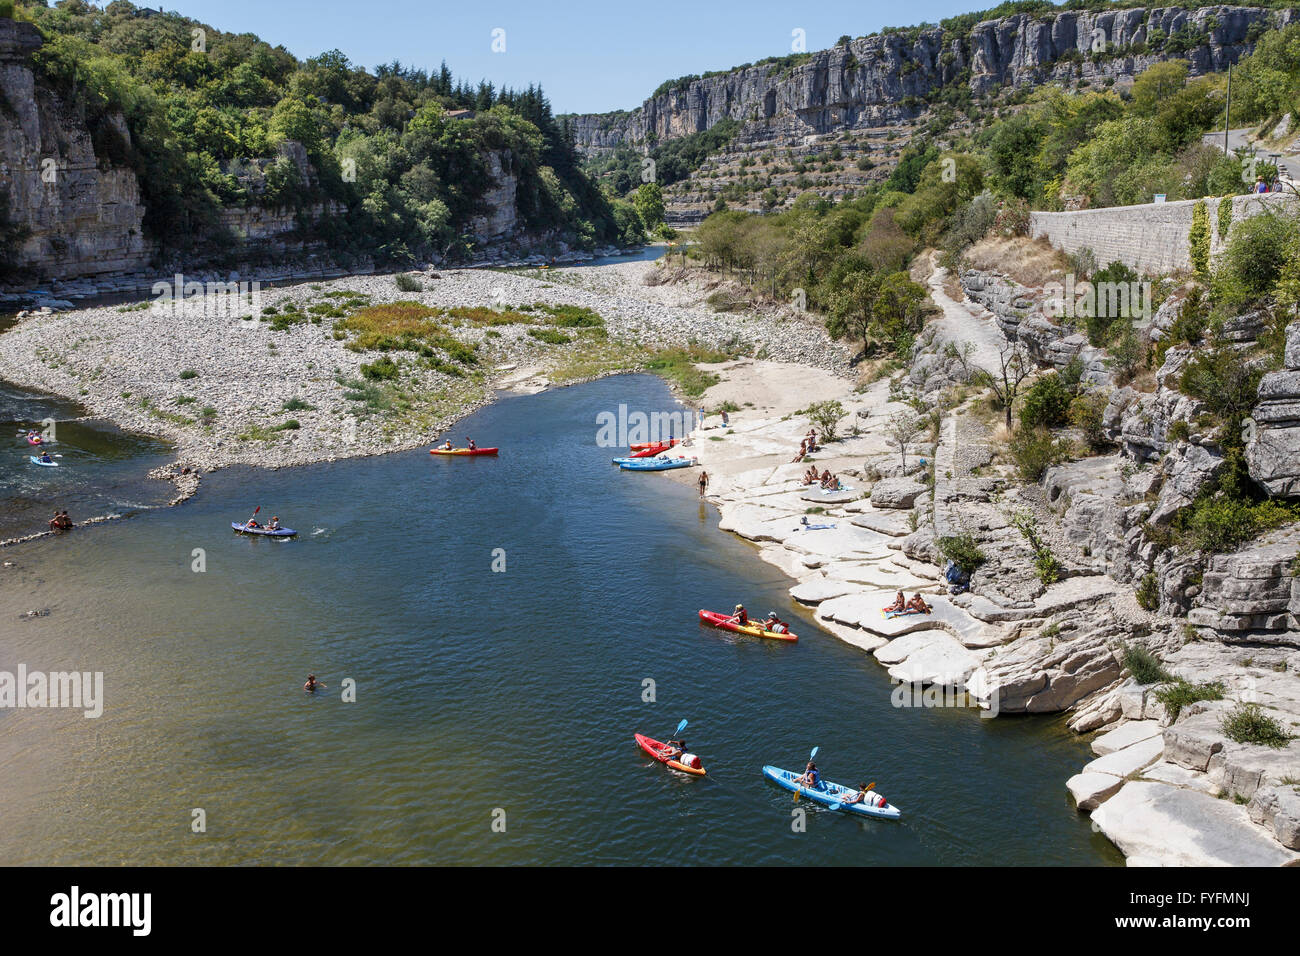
column 312, row 684
column 60, row 521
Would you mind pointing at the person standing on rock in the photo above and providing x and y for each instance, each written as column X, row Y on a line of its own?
column 704, row 482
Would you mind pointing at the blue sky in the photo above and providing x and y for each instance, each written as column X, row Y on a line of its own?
column 589, row 56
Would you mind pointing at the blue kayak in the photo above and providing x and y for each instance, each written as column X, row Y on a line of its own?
column 264, row 532
column 828, row 793
column 43, row 464
column 656, row 464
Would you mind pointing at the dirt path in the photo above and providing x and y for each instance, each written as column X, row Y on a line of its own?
column 960, row 324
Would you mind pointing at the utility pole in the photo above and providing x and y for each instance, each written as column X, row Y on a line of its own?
column 1227, row 111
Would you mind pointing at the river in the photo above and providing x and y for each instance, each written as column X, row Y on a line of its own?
column 494, row 710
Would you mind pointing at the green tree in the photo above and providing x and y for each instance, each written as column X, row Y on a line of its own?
column 649, row 203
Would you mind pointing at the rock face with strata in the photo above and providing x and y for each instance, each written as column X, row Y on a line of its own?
column 872, row 80
column 81, row 215
column 1253, row 595
column 1274, row 455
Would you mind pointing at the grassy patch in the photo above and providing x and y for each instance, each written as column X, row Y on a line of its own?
column 550, row 336
column 677, row 365
column 297, row 405
column 188, row 374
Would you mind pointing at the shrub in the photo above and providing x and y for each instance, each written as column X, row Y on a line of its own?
column 1254, row 259
column 381, row 369
column 1086, row 414
column 1248, row 724
column 1034, row 451
column 1225, row 217
column 296, row 405
column 1180, row 693
column 287, row 425
column 962, row 550
column 1221, row 522
column 1148, row 592
column 408, row 283
column 1179, row 431
column 189, row 373
column 826, row 416
column 1198, row 239
column 1047, row 403
column 1144, row 666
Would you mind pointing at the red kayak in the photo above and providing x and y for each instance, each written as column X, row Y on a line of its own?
column 643, row 445
column 651, row 451
column 725, row 622
column 655, row 749
column 463, row 451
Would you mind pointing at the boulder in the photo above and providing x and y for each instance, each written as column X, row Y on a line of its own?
column 1169, row 826
column 1278, row 809
column 896, row 492
column 1091, row 790
column 1135, row 731
column 1128, row 760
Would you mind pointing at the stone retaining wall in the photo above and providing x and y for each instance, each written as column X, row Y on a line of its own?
column 1152, row 238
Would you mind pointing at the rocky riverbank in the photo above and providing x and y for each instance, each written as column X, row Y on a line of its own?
column 1169, row 786
column 243, row 388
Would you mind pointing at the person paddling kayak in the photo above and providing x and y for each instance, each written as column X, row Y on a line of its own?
column 312, row 684
column 470, row 442
column 862, row 796
column 775, row 624
column 810, row 777
column 741, row 616
column 447, row 446
column 274, row 524
column 45, row 458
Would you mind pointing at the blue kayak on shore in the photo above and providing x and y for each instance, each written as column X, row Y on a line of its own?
column 264, row 532
column 655, row 464
column 829, row 794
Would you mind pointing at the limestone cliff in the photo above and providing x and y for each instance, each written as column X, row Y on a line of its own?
column 877, row 79
column 80, row 215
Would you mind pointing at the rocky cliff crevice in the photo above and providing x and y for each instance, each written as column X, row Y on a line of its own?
column 879, row 79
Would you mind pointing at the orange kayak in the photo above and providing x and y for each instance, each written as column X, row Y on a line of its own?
column 725, row 622
column 655, row 749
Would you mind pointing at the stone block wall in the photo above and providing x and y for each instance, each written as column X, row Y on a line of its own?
column 1151, row 238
